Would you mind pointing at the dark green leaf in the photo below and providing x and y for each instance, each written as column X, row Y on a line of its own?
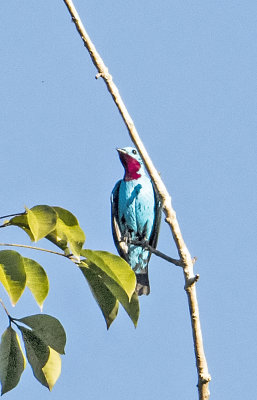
column 12, row 361
column 37, row 280
column 131, row 307
column 12, row 274
column 48, row 329
column 37, row 353
column 105, row 299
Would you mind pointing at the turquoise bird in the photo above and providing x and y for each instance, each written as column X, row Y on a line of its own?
column 136, row 216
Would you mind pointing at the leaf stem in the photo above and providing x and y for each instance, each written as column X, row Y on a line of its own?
column 6, row 311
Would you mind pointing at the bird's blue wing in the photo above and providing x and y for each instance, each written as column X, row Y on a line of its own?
column 157, row 221
column 121, row 246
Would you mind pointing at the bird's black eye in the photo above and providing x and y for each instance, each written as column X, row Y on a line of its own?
column 134, row 151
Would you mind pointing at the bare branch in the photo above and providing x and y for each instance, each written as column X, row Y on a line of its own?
column 171, row 219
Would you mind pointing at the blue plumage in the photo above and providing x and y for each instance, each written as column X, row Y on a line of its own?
column 135, row 215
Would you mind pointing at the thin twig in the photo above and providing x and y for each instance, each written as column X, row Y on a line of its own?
column 12, row 215
column 5, row 309
column 35, row 248
column 145, row 244
column 184, row 255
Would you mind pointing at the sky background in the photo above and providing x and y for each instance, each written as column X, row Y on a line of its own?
column 187, row 74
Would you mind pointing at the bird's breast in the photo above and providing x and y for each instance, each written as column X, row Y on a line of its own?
column 136, row 205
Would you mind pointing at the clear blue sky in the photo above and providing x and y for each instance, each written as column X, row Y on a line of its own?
column 187, row 73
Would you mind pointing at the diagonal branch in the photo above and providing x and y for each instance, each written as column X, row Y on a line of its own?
column 171, row 219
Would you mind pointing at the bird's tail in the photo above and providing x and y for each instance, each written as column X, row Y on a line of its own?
column 143, row 286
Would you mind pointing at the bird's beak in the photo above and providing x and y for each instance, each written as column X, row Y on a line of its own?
column 120, row 150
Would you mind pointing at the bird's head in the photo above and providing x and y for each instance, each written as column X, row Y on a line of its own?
column 131, row 162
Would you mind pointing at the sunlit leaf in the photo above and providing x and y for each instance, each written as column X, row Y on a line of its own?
column 67, row 235
column 12, row 361
column 115, row 267
column 12, row 274
column 108, row 304
column 37, row 222
column 52, row 369
column 37, row 280
column 41, row 220
column 47, row 328
column 37, row 353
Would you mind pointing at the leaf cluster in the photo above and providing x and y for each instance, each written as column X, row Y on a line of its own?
column 44, row 340
column 110, row 279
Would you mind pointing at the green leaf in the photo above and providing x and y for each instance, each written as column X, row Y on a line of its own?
column 67, row 235
column 108, row 304
column 48, row 329
column 131, row 306
column 52, row 369
column 37, row 222
column 12, row 360
column 115, row 267
column 41, row 220
column 37, row 353
column 37, row 280
column 12, row 274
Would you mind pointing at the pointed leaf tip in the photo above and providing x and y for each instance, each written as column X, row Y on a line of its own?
column 52, row 369
column 107, row 302
column 37, row 280
column 119, row 282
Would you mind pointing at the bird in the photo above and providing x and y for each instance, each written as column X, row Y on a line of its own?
column 136, row 216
